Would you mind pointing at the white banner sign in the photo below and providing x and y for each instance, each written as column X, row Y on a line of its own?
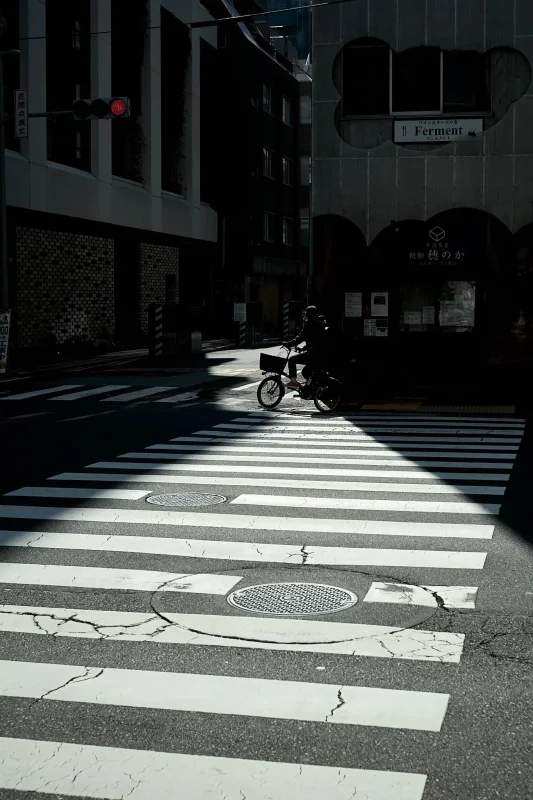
column 437, row 130
column 379, row 304
column 5, row 324
column 21, row 114
column 239, row 312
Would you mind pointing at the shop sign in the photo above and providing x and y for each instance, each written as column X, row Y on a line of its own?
column 437, row 251
column 5, row 324
column 436, row 131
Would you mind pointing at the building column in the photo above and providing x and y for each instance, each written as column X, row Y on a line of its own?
column 101, row 87
column 151, row 104
column 193, row 124
column 33, row 78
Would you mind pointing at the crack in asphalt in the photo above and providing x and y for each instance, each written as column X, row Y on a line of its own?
column 342, row 702
column 85, row 676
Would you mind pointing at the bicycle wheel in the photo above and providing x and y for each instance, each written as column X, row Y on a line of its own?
column 270, row 392
column 327, row 397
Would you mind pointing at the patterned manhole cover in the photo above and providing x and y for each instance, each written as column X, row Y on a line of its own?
column 292, row 599
column 186, row 499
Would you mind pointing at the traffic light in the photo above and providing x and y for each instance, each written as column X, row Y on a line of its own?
column 102, row 108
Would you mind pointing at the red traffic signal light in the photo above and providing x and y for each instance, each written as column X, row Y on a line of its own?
column 101, row 108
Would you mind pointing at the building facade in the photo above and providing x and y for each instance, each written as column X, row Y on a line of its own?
column 255, row 176
column 106, row 217
column 423, row 177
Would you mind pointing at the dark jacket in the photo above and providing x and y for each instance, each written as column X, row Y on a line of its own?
column 312, row 333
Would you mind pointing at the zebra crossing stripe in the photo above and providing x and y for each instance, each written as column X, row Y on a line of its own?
column 137, row 395
column 249, row 522
column 258, row 633
column 366, row 432
column 77, row 494
column 145, row 774
column 410, row 506
column 295, row 440
column 249, row 551
column 426, row 475
column 448, row 596
column 396, row 417
column 391, row 422
column 41, row 392
column 106, row 578
column 384, row 450
column 88, row 393
column 220, row 694
column 299, row 436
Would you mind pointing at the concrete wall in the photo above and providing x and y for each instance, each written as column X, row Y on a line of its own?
column 360, row 174
column 35, row 183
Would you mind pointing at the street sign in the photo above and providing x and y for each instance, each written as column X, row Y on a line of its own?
column 21, row 113
column 437, row 131
column 5, row 324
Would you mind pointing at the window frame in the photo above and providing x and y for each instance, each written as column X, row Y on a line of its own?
column 268, row 107
column 268, row 215
column 291, row 228
column 286, row 104
column 434, row 114
column 268, row 157
column 285, row 160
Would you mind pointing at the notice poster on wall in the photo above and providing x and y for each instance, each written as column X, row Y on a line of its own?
column 239, row 312
column 353, row 304
column 428, row 315
column 369, row 328
column 379, row 304
column 382, row 327
column 412, row 318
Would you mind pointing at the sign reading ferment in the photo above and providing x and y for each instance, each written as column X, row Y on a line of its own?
column 415, row 131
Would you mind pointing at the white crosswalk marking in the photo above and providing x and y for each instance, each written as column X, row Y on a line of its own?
column 145, row 775
column 88, row 393
column 143, row 592
column 137, row 395
column 40, row 392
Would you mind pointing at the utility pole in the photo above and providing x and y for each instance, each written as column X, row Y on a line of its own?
column 4, row 279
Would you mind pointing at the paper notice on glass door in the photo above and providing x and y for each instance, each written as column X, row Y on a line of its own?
column 369, row 327
column 353, row 304
column 428, row 315
column 379, row 304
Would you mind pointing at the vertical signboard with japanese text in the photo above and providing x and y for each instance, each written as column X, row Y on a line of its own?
column 21, row 114
column 5, row 324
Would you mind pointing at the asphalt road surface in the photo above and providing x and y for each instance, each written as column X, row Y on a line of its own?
column 392, row 663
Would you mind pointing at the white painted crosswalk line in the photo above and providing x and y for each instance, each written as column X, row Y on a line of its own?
column 367, row 416
column 245, row 386
column 363, row 439
column 249, row 551
column 77, row 494
column 219, row 694
column 409, row 506
column 88, row 393
column 107, row 578
column 289, row 483
column 417, row 422
column 221, row 453
column 285, row 635
column 179, row 398
column 371, row 433
column 242, row 423
column 404, row 594
column 349, row 473
column 41, row 392
column 255, row 522
column 378, row 449
column 112, row 773
column 137, row 395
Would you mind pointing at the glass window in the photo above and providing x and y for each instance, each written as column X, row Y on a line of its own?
column 288, row 176
column 267, row 99
column 288, row 231
column 416, row 84
column 286, row 110
column 269, row 227
column 365, row 80
column 305, row 170
column 304, row 232
column 268, row 162
column 438, row 307
column 466, row 82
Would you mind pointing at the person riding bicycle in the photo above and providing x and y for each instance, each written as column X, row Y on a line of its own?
column 313, row 334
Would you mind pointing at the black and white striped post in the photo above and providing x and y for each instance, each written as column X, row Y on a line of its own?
column 286, row 313
column 155, row 328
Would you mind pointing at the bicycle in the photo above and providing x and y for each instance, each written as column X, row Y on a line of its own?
column 322, row 388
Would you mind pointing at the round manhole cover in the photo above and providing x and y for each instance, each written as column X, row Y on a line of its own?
column 186, row 499
column 295, row 599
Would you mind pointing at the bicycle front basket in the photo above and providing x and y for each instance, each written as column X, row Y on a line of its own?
column 275, row 364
